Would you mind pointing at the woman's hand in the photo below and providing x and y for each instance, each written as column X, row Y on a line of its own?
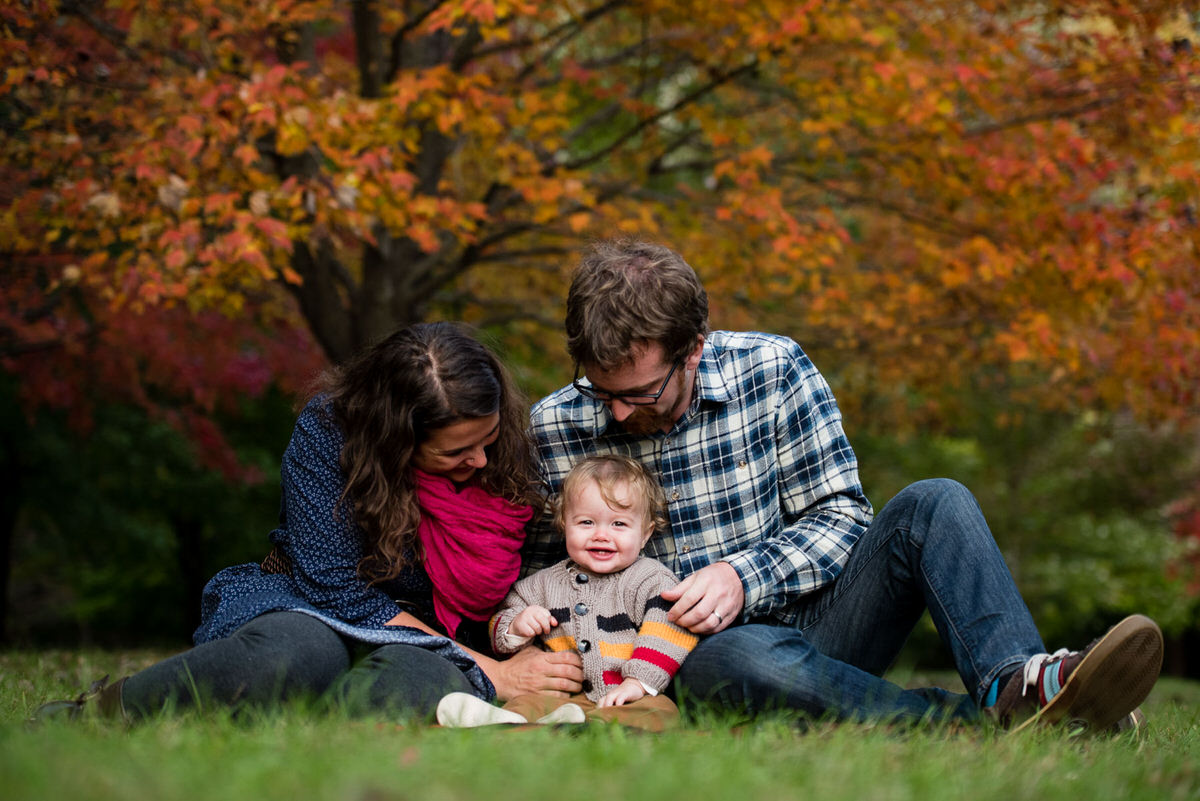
column 532, row 670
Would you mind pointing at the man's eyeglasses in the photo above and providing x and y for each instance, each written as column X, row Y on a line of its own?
column 634, row 399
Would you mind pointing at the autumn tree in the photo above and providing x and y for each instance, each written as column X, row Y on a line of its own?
column 961, row 209
column 938, row 198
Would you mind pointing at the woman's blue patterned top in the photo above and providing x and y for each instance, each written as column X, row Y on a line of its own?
column 323, row 543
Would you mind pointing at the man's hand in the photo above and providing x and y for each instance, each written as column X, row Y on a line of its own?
column 626, row 692
column 532, row 621
column 708, row 601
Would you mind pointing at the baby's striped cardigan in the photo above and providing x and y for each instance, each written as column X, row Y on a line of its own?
column 616, row 621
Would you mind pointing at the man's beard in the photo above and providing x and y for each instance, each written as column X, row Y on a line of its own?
column 646, row 421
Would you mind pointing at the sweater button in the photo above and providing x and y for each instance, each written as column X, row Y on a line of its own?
column 587, row 685
column 581, row 578
column 581, row 608
column 585, row 646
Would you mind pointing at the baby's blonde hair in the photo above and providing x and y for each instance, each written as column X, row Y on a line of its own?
column 608, row 471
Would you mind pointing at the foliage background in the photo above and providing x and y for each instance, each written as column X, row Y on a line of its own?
column 980, row 219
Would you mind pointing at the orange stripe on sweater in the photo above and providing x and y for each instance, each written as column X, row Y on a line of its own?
column 615, row 650
column 565, row 643
column 679, row 637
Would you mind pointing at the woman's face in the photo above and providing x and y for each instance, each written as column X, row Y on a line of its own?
column 459, row 449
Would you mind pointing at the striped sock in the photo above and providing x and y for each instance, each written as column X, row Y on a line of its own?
column 1049, row 682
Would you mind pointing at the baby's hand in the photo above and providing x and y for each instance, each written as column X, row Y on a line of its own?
column 627, row 692
column 532, row 621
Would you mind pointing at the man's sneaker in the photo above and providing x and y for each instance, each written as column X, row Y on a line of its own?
column 1098, row 688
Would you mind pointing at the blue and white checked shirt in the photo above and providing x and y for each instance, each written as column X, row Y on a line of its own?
column 758, row 472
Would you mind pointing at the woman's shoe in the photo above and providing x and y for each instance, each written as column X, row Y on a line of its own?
column 102, row 698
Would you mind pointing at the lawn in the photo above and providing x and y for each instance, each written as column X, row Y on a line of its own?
column 291, row 755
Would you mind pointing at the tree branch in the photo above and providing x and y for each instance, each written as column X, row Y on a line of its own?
column 511, row 256
column 558, row 37
column 642, row 125
column 117, row 37
column 935, row 224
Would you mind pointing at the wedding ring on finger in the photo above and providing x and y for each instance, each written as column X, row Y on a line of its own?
column 717, row 615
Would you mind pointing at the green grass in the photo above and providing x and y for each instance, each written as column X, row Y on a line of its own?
column 295, row 756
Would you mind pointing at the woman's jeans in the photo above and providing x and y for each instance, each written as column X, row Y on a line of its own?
column 930, row 548
column 281, row 656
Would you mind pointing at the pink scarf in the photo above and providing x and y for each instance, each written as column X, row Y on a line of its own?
column 471, row 541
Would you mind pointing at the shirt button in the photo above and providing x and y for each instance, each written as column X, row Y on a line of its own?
column 584, row 646
column 685, row 549
column 674, row 496
column 581, row 608
column 581, row 578
column 742, row 463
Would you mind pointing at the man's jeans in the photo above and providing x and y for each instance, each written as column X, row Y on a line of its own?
column 931, row 548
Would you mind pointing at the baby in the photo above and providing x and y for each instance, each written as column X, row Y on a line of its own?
column 603, row 601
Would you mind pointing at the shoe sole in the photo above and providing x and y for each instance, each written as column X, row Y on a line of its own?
column 1111, row 681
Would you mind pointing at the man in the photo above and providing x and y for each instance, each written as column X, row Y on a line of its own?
column 807, row 597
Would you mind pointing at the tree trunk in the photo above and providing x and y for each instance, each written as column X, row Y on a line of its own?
column 324, row 299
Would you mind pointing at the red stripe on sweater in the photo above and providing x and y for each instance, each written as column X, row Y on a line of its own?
column 611, row 677
column 656, row 658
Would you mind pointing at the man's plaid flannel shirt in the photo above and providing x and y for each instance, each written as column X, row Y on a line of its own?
column 758, row 472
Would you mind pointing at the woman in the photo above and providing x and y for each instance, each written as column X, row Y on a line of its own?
column 406, row 486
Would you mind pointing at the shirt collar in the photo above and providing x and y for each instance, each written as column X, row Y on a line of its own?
column 711, row 383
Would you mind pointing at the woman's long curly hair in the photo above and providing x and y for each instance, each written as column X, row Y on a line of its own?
column 389, row 399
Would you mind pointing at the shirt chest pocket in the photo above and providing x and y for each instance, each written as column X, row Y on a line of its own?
column 749, row 494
